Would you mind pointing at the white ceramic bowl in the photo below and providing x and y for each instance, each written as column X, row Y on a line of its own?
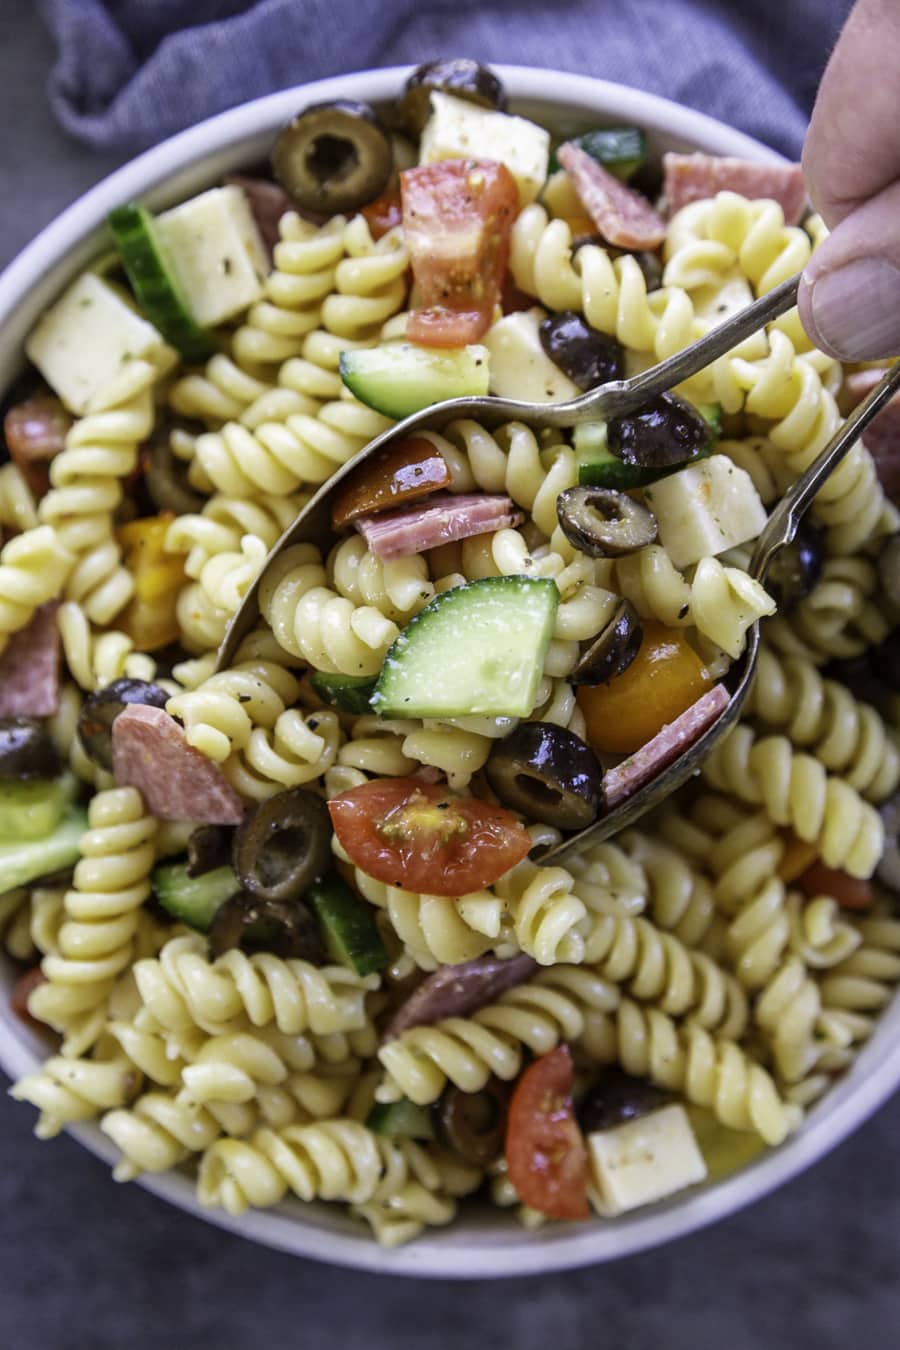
column 484, row 1243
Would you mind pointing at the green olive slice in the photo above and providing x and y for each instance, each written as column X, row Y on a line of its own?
column 613, row 649
column 548, row 774
column 333, row 157
column 604, row 523
column 459, row 76
column 282, row 845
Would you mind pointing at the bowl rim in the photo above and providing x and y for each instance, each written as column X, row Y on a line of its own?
column 456, row 1253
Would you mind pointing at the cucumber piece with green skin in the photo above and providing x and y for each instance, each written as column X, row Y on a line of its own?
column 475, row 650
column 153, row 283
column 599, row 467
column 399, row 378
column 622, row 150
column 400, row 1120
column 193, row 900
column 350, row 693
column 32, row 808
column 21, row 863
column 347, row 925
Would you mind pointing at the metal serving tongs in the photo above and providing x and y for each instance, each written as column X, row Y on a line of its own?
column 313, row 523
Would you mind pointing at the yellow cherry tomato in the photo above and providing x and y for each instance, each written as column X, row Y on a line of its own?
column 664, row 679
column 149, row 617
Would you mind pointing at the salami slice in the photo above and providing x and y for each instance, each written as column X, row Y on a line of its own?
column 691, row 178
column 443, row 519
column 621, row 214
column 29, row 668
column 625, row 779
column 35, row 433
column 882, row 436
column 150, row 752
column 458, row 991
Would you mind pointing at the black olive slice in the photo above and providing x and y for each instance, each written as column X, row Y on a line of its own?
column 333, row 157
column 282, row 845
column 604, row 523
column 667, row 431
column 588, row 357
column 209, row 847
column 473, row 1124
column 101, row 709
column 796, row 568
column 613, row 649
column 458, row 76
column 26, row 751
column 614, row 1098
column 547, row 773
column 287, row 929
column 889, row 569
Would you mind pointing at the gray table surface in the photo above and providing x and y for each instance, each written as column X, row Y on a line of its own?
column 88, row 1265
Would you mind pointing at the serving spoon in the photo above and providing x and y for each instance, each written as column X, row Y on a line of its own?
column 614, row 399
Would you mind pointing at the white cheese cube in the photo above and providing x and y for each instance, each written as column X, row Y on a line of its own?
column 458, row 129
column 84, row 344
column 520, row 368
column 705, row 509
column 643, row 1161
column 215, row 252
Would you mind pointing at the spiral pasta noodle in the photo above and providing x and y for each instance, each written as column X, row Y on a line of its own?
column 838, row 619
column 97, row 658
column 707, row 239
column 67, row 1090
column 219, row 393
column 18, row 511
column 370, row 282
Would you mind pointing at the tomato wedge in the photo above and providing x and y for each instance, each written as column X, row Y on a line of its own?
column 415, row 835
column 849, row 892
column 383, row 214
column 457, row 222
column 545, row 1151
column 404, row 471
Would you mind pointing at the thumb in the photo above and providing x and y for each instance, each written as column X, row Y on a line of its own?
column 849, row 298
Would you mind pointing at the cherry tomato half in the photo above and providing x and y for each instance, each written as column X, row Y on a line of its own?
column 414, row 835
column 545, row 1151
column 664, row 679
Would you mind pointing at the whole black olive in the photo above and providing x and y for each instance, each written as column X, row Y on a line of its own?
column 588, row 357
column 547, row 773
column 604, row 523
column 286, row 929
column 209, row 847
column 888, row 869
column 796, row 568
column 613, row 649
column 667, row 431
column 333, row 157
column 473, row 1124
column 26, row 751
column 614, row 1098
column 458, row 76
column 282, row 845
column 889, row 569
column 100, row 710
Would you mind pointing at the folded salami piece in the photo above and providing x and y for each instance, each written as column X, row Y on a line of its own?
column 458, row 991
column 622, row 215
column 443, row 519
column 625, row 779
column 29, row 667
column 691, row 178
column 177, row 782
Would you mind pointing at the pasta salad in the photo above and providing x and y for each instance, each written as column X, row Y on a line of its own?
column 287, row 923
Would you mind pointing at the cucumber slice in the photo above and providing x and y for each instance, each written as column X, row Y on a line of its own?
column 154, row 285
column 622, row 150
column 193, row 900
column 399, row 378
column 478, row 649
column 347, row 926
column 21, row 863
column 33, row 809
column 350, row 693
column 599, row 467
column 403, row 1119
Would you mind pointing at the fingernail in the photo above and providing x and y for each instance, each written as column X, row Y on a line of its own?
column 856, row 310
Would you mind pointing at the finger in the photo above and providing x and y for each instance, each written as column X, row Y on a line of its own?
column 849, row 297
column 852, row 148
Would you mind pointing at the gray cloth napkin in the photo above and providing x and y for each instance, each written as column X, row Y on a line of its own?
column 131, row 72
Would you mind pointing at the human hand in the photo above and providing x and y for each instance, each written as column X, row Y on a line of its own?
column 850, row 294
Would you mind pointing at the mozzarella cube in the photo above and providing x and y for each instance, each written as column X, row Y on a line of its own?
column 215, row 252
column 643, row 1161
column 84, row 343
column 705, row 509
column 458, row 129
column 519, row 366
